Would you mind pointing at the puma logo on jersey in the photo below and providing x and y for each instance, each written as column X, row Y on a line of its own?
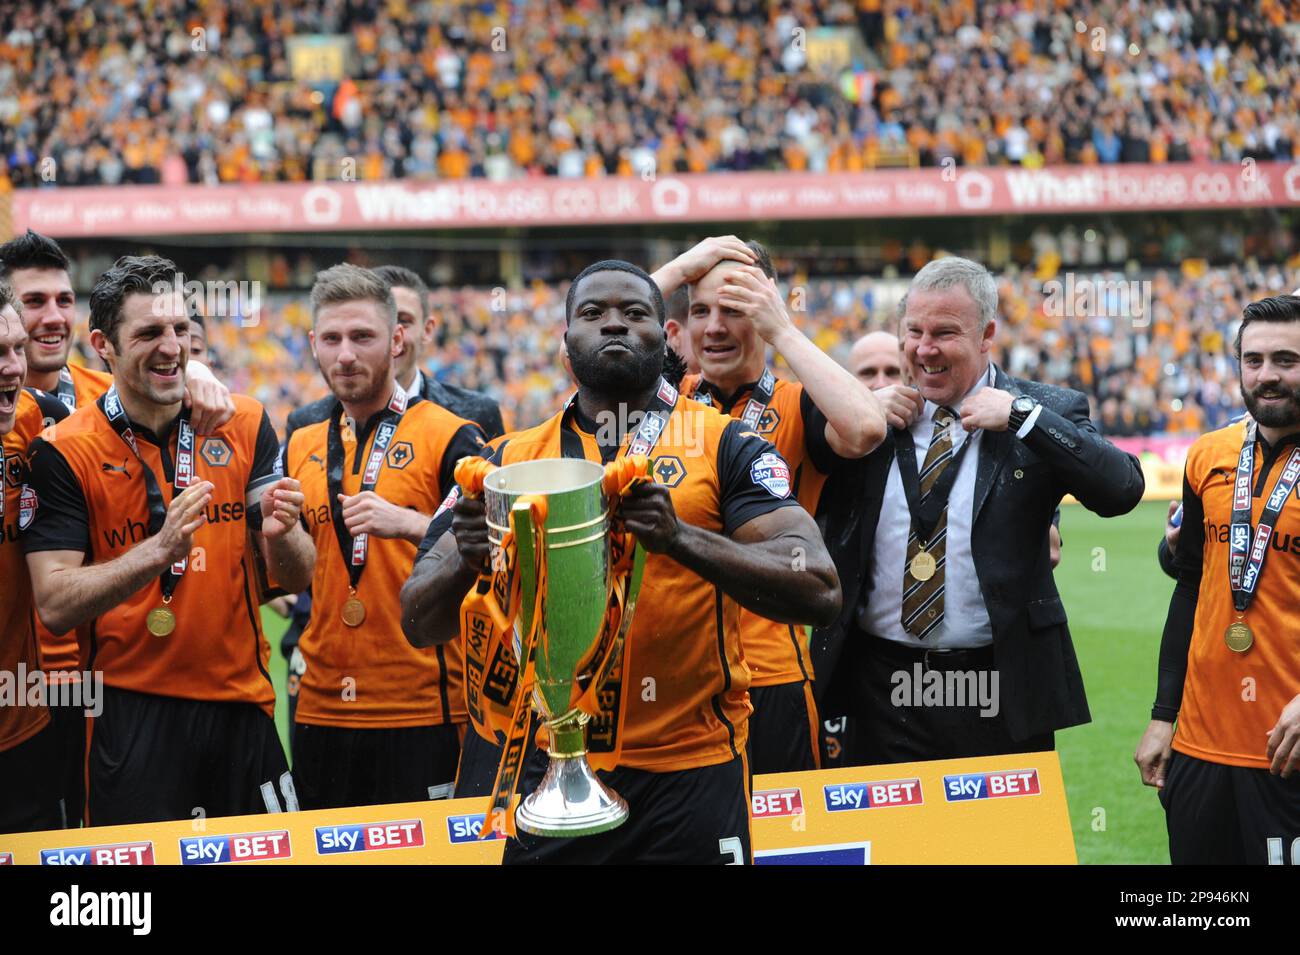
column 316, row 458
column 114, row 469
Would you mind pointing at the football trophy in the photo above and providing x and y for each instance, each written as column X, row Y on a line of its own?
column 549, row 523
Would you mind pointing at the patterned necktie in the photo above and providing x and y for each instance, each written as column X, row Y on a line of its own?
column 923, row 599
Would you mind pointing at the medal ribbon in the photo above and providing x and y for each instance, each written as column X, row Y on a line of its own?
column 355, row 550
column 758, row 401
column 67, row 390
column 1246, row 554
column 182, row 477
column 925, row 513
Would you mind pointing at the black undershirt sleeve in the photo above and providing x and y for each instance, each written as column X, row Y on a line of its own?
column 1177, row 637
column 62, row 521
column 750, row 484
column 441, row 522
column 52, row 409
column 467, row 442
column 267, row 468
column 820, row 452
column 1165, row 558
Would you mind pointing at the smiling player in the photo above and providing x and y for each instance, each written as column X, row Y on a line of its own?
column 141, row 531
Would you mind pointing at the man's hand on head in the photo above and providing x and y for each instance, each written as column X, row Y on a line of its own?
column 697, row 261
column 755, row 295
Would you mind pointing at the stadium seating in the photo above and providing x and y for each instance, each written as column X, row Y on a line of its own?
column 190, row 92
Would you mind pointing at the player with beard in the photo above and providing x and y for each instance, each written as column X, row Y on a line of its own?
column 824, row 417
column 378, row 720
column 37, row 269
column 719, row 525
column 142, row 531
column 418, row 325
column 1229, row 674
column 418, row 329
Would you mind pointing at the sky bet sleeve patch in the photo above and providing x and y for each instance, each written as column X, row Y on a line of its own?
column 769, row 471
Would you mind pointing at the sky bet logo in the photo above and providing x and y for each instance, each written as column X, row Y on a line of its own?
column 400, row 834
column 121, row 853
column 776, row 802
column 467, row 828
column 894, row 792
column 244, row 847
column 1010, row 782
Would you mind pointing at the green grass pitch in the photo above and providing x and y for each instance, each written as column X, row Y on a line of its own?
column 1116, row 598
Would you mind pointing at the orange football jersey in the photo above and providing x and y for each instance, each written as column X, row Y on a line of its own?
column 19, row 651
column 1231, row 700
column 91, row 498
column 777, row 653
column 60, row 653
column 370, row 676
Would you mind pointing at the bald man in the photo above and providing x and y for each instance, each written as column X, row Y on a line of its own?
column 877, row 360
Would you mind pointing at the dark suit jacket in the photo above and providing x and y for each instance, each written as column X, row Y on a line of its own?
column 1018, row 485
column 471, row 405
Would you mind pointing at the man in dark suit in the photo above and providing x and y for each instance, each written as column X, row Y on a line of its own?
column 952, row 640
column 412, row 297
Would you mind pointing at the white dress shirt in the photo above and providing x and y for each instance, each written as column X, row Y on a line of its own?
column 965, row 618
column 416, row 387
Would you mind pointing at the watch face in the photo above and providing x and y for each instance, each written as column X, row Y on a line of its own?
column 1023, row 404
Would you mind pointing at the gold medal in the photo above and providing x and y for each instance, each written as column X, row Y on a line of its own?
column 923, row 566
column 1238, row 637
column 160, row 621
column 354, row 612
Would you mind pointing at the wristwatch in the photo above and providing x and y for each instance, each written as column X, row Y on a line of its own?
column 1021, row 409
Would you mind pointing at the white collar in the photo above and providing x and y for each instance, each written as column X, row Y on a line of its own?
column 416, row 388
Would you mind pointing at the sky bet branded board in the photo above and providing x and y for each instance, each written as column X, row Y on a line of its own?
column 994, row 810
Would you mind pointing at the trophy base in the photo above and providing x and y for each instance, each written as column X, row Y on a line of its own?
column 571, row 801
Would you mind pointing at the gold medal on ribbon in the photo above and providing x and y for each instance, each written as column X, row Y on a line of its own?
column 354, row 612
column 160, row 621
column 1238, row 637
column 923, row 566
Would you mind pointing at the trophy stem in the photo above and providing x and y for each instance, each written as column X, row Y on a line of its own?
column 567, row 742
column 571, row 800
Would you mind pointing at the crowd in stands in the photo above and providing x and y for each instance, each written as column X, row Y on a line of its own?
column 1158, row 361
column 203, row 91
